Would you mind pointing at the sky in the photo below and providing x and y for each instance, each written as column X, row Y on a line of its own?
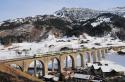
column 23, row 8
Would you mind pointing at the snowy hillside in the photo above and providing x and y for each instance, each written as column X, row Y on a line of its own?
column 17, row 50
column 51, row 33
column 37, row 28
column 118, row 10
column 81, row 14
column 77, row 13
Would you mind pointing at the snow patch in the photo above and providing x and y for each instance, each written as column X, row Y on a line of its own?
column 100, row 20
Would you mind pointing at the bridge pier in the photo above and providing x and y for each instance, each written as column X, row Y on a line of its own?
column 82, row 60
column 106, row 50
column 99, row 55
column 46, row 68
column 74, row 60
column 95, row 55
column 89, row 56
column 102, row 53
column 52, row 65
column 66, row 62
column 61, row 58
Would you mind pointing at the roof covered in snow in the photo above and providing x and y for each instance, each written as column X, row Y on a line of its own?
column 81, row 76
column 108, row 66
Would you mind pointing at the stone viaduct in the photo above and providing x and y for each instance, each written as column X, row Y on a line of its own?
column 86, row 55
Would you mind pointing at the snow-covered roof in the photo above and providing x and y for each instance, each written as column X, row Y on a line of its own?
column 56, row 78
column 123, row 50
column 48, row 76
column 52, row 76
column 81, row 76
column 108, row 66
column 118, row 68
column 89, row 64
column 96, row 66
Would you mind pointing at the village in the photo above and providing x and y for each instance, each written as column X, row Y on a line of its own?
column 104, row 71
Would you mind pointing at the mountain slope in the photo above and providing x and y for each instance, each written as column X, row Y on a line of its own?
column 67, row 23
column 100, row 26
column 77, row 13
column 33, row 28
column 81, row 14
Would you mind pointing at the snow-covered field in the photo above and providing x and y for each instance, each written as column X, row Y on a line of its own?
column 119, row 59
column 52, row 44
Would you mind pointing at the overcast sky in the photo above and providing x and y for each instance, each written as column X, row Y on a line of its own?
column 23, row 8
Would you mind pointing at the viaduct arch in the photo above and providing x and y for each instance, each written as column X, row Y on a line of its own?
column 87, row 56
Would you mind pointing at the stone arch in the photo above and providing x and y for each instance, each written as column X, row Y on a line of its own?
column 106, row 50
column 16, row 66
column 40, row 67
column 92, row 56
column 87, row 57
column 98, row 55
column 79, row 60
column 69, row 62
column 54, row 64
column 102, row 53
